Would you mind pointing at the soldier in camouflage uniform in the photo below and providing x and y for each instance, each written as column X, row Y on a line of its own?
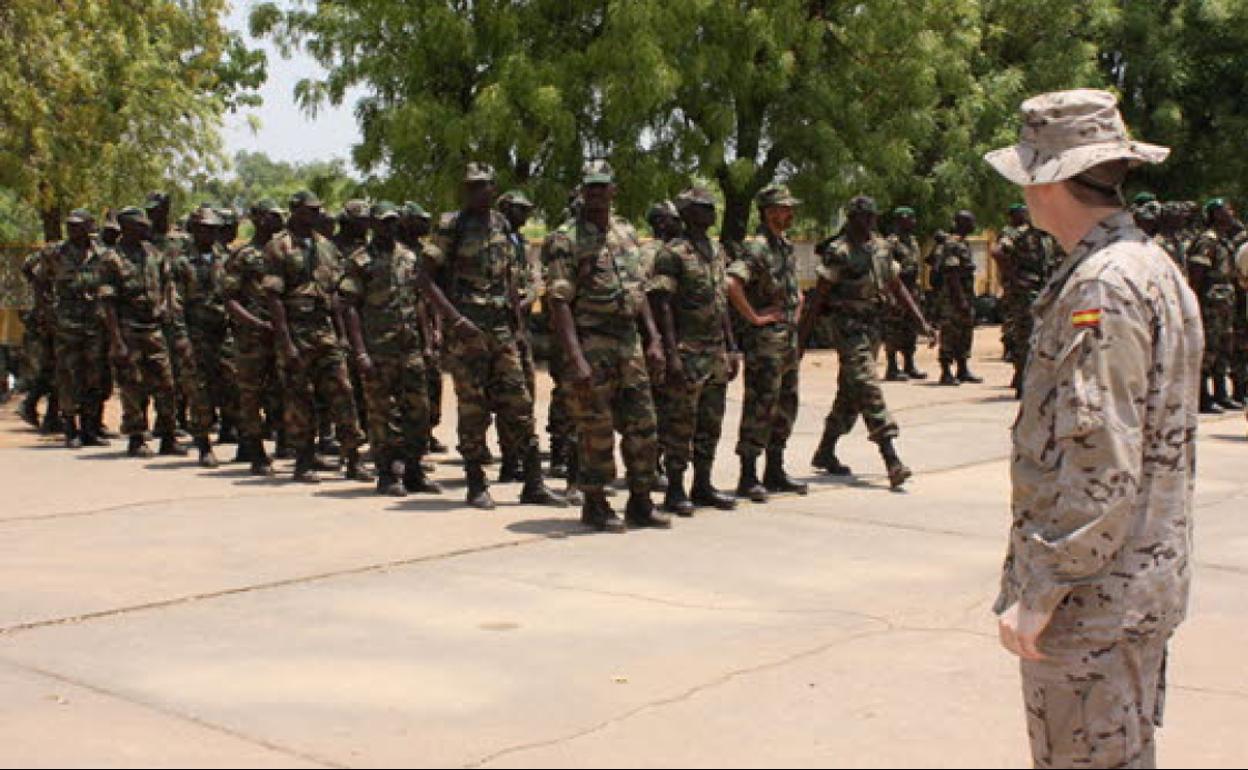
column 954, row 278
column 136, row 291
column 702, row 356
column 901, row 335
column 73, row 269
column 517, row 208
column 227, row 234
column 665, row 225
column 414, row 226
column 1211, row 273
column 379, row 287
column 302, row 270
column 764, row 290
column 474, row 256
column 39, row 347
column 259, row 375
column 593, row 278
column 170, row 243
column 1097, row 575
column 858, row 277
column 1026, row 257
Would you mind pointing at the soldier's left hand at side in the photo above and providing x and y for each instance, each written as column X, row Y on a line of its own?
column 1020, row 631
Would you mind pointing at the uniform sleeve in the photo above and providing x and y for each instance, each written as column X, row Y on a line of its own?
column 742, row 268
column 442, row 240
column 667, row 269
column 1102, row 384
column 1241, row 266
column 109, row 284
column 274, row 280
column 558, row 268
column 831, row 265
column 232, row 281
column 351, row 287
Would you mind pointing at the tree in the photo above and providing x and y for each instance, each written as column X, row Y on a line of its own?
column 100, row 101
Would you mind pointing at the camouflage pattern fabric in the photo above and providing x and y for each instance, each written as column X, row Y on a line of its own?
column 954, row 263
column 82, row 375
column 212, row 374
column 900, row 330
column 1032, row 256
column 1216, row 293
column 259, row 375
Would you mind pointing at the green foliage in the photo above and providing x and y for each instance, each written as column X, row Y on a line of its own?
column 254, row 175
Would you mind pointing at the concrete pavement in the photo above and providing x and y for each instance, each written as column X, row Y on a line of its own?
column 152, row 613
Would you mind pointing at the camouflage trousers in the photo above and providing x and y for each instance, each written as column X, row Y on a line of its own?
column 1016, row 327
column 900, row 330
column 511, row 444
column 146, row 374
column 490, row 381
column 1219, row 322
column 691, row 412
column 617, row 399
column 320, row 372
column 771, row 379
column 82, row 378
column 957, row 333
column 858, row 391
column 259, row 383
column 191, row 388
column 398, row 405
column 433, row 376
column 216, row 371
column 558, row 421
column 1096, row 707
column 39, row 355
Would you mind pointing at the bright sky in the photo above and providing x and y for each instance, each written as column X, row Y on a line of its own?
column 286, row 132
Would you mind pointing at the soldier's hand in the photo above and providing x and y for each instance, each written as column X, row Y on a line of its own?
column 582, row 373
column 769, row 316
column 675, row 371
column 1020, row 631
column 290, row 353
column 734, row 365
column 656, row 360
column 364, row 363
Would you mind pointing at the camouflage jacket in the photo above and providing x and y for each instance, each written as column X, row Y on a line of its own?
column 856, row 277
column 1104, row 443
column 1030, row 254
column 381, row 286
column 305, row 274
column 692, row 275
column 474, row 258
column 1173, row 245
column 244, row 282
column 906, row 253
column 1213, row 252
column 139, row 282
column 200, row 280
column 522, row 280
column 598, row 273
column 74, row 275
column 953, row 262
column 35, row 271
column 767, row 267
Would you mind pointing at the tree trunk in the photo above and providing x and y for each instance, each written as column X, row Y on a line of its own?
column 51, row 219
column 736, row 214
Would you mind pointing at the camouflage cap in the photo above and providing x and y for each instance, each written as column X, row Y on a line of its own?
column 903, row 211
column 514, row 198
column 480, row 172
column 775, row 195
column 266, row 206
column 133, row 214
column 662, row 209
column 79, row 216
column 862, row 204
column 305, row 198
column 597, row 172
column 205, row 216
column 415, row 211
column 354, row 209
column 110, row 222
column 384, row 210
column 1065, row 133
column 157, row 199
column 694, row 196
column 229, row 217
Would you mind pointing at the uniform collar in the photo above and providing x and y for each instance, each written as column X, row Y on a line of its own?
column 1116, row 227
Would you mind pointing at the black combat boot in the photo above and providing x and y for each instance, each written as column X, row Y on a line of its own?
column 29, row 411
column 596, row 512
column 1220, row 396
column 535, row 491
column 1239, row 389
column 946, row 374
column 73, row 437
column 356, row 469
column 228, row 433
column 207, row 459
column 281, row 447
column 305, row 466
column 912, row 371
column 892, row 373
column 1207, row 405
column 436, row 447
column 244, row 451
column 138, row 446
column 640, row 512
column 90, row 430
column 675, row 500
column 775, row 479
column 52, row 422
column 261, row 465
column 825, row 456
column 478, row 489
column 705, row 493
column 897, row 470
column 509, row 468
column 387, row 479
column 169, row 446
column 965, row 374
column 749, row 485
column 558, row 459
column 415, row 477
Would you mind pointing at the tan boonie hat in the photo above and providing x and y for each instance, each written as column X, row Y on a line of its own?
column 1066, row 133
column 479, row 172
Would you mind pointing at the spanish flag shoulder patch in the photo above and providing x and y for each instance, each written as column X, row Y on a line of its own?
column 1083, row 319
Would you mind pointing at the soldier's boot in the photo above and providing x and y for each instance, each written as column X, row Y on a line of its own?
column 416, row 480
column 52, row 422
column 640, row 512
column 328, row 445
column 1239, row 389
column 73, row 437
column 356, row 469
column 261, row 465
column 891, row 372
column 946, row 374
column 1207, row 405
column 775, row 479
column 244, row 452
column 90, row 430
column 558, row 459
column 912, row 371
column 305, row 467
column 509, row 468
column 675, row 500
column 207, row 458
column 478, row 488
column 228, row 433
column 704, row 492
column 749, row 485
column 596, row 512
column 535, row 491
column 322, row 463
column 436, row 447
column 965, row 374
column 825, row 458
column 1220, row 396
column 897, row 470
column 181, row 431
column 281, row 448
column 29, row 411
column 138, row 446
column 169, row 446
column 660, row 481
column 388, row 482
column 99, row 429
